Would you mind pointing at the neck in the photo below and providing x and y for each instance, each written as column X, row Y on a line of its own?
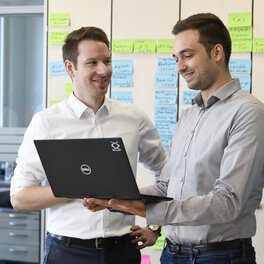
column 92, row 102
column 207, row 93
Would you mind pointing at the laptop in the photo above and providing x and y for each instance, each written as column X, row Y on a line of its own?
column 94, row 167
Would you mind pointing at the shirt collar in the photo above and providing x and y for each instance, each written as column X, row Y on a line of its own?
column 79, row 107
column 221, row 94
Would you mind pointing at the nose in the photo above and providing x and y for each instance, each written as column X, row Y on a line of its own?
column 181, row 66
column 101, row 68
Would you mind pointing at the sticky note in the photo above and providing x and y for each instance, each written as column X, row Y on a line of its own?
column 145, row 46
column 165, row 97
column 240, row 66
column 188, row 95
column 164, row 45
column 59, row 19
column 57, row 68
column 122, row 46
column 242, row 46
column 145, row 259
column 122, row 80
column 258, row 45
column 240, row 19
column 123, row 96
column 57, row 37
column 68, row 89
column 240, row 33
column 122, row 66
column 167, row 65
column 166, row 80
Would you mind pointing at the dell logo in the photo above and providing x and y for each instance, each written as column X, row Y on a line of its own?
column 115, row 146
column 85, row 169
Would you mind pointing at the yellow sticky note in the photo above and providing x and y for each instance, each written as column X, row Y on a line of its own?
column 145, row 46
column 160, row 241
column 164, row 45
column 59, row 19
column 240, row 33
column 57, row 37
column 53, row 102
column 240, row 20
column 258, row 45
column 68, row 89
column 122, row 46
column 242, row 45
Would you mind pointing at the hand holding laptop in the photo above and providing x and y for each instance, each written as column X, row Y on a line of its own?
column 135, row 207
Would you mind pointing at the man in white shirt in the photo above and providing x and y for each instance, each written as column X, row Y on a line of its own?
column 76, row 235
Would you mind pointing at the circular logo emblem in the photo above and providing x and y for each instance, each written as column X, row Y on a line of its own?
column 85, row 169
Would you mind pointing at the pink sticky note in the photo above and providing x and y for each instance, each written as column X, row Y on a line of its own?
column 145, row 259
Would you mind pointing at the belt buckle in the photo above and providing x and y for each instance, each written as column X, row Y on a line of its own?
column 98, row 245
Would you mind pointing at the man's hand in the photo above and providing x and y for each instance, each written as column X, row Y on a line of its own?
column 143, row 235
column 135, row 207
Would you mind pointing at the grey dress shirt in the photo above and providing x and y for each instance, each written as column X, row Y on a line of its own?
column 215, row 170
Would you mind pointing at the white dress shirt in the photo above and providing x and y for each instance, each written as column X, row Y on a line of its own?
column 72, row 119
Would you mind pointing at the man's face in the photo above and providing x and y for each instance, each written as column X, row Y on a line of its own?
column 194, row 64
column 93, row 71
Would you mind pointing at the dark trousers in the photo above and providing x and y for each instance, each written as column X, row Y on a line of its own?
column 244, row 255
column 61, row 252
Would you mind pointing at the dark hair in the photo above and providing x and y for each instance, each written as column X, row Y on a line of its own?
column 70, row 47
column 211, row 29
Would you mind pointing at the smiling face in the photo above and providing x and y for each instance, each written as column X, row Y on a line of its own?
column 194, row 64
column 92, row 74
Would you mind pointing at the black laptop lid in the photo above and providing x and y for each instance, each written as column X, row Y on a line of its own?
column 94, row 167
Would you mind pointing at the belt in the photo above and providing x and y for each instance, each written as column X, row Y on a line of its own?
column 96, row 243
column 196, row 250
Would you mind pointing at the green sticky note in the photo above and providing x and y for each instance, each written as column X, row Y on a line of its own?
column 57, row 37
column 240, row 20
column 164, row 45
column 244, row 45
column 258, row 45
column 145, row 46
column 59, row 19
column 68, row 89
column 53, row 102
column 122, row 46
column 160, row 241
column 240, row 33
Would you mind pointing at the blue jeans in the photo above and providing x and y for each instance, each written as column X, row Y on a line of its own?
column 217, row 257
column 60, row 252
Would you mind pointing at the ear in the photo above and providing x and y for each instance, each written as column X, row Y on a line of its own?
column 218, row 53
column 69, row 68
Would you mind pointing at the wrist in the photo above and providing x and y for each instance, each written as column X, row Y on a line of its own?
column 156, row 229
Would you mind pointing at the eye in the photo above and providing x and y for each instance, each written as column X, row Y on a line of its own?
column 92, row 62
column 108, row 62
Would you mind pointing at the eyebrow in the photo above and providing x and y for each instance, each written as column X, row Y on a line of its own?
column 183, row 51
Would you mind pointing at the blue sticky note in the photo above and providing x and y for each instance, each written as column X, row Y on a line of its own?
column 122, row 66
column 165, row 97
column 166, row 141
column 57, row 68
column 240, row 66
column 167, row 65
column 245, row 81
column 188, row 95
column 166, row 80
column 165, row 114
column 123, row 96
column 122, row 80
column 165, row 128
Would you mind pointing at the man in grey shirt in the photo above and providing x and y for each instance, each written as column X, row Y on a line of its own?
column 215, row 168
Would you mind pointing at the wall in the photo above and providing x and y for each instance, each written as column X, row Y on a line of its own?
column 152, row 19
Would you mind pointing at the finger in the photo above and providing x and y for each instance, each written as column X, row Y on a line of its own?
column 145, row 244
